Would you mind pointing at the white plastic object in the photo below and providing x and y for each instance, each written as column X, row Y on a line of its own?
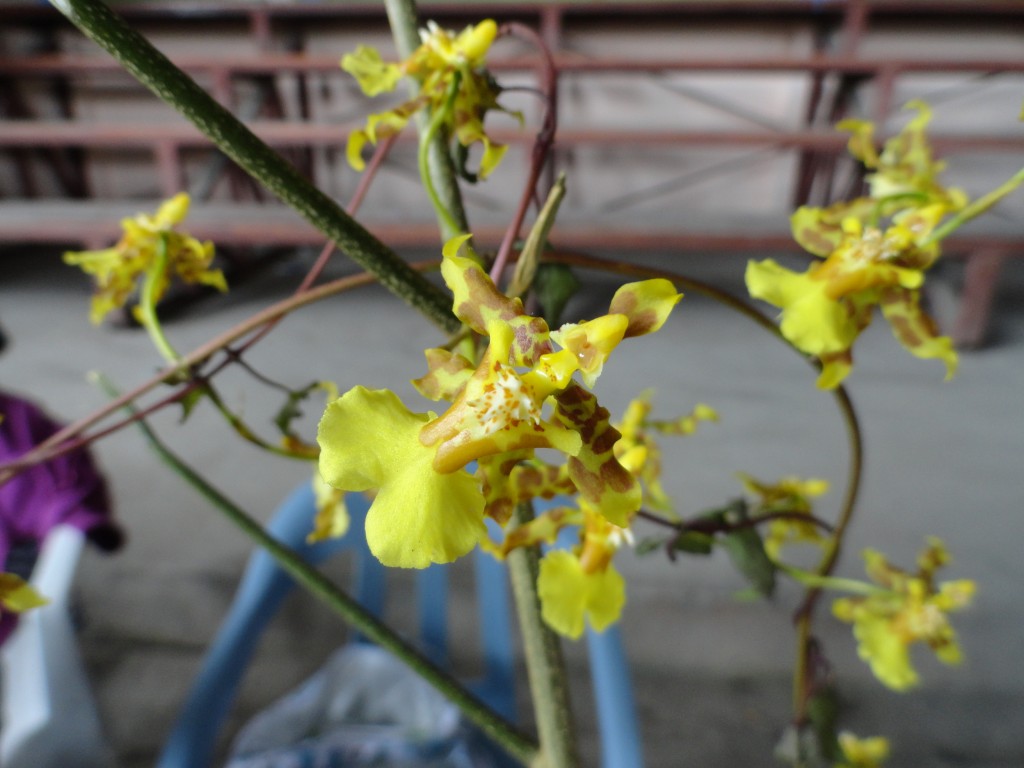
column 49, row 716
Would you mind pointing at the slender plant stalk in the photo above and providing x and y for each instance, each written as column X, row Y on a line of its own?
column 541, row 146
column 68, row 438
column 976, row 208
column 330, row 247
column 545, row 666
column 514, row 742
column 430, row 133
column 147, row 303
column 157, row 73
column 405, row 29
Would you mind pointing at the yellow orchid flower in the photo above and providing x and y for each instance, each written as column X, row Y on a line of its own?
column 640, row 453
column 862, row 753
column 17, row 595
column 448, row 67
column 868, row 263
column 789, row 494
column 583, row 585
column 643, row 308
column 519, row 397
column 825, row 308
column 905, row 172
column 117, row 270
column 907, row 608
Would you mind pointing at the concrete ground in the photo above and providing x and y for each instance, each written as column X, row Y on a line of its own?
column 710, row 671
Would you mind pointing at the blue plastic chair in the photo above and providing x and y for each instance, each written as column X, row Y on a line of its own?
column 264, row 586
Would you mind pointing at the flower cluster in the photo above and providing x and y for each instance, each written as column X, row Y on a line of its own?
column 908, row 608
column 875, row 251
column 520, row 396
column 640, row 453
column 452, row 82
column 150, row 247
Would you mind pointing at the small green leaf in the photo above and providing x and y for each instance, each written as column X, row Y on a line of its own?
column 291, row 410
column 649, row 545
column 554, row 285
column 746, row 550
column 694, row 543
column 823, row 712
column 189, row 402
column 537, row 241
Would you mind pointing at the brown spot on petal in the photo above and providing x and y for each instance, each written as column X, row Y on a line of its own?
column 816, row 240
column 623, row 304
column 905, row 331
column 641, row 323
column 500, row 511
column 616, row 476
column 589, row 484
column 605, row 441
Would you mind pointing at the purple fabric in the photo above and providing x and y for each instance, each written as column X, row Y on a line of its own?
column 68, row 489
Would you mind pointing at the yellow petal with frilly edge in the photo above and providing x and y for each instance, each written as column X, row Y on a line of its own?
column 368, row 439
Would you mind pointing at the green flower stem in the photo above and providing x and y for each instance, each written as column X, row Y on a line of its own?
column 514, row 742
column 151, row 322
column 244, row 431
column 147, row 303
column 976, row 208
column 405, row 29
column 433, row 131
column 549, row 685
column 837, row 583
column 172, row 85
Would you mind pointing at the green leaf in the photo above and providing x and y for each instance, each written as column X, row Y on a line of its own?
column 189, row 402
column 694, row 543
column 554, row 285
column 291, row 410
column 649, row 545
column 537, row 241
column 823, row 712
column 746, row 550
